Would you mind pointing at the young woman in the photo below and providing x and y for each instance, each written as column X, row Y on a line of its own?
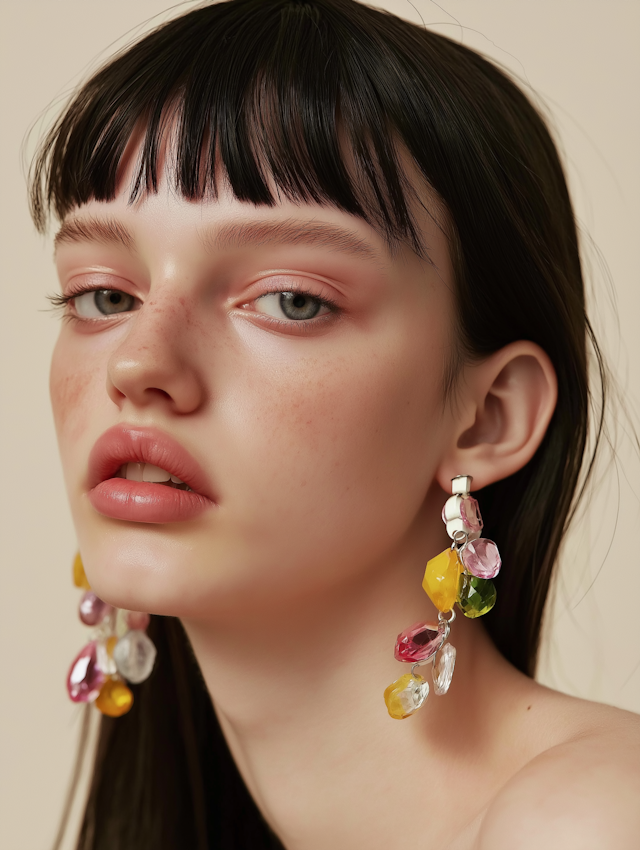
column 315, row 264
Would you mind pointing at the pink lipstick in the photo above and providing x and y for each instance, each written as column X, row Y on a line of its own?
column 144, row 475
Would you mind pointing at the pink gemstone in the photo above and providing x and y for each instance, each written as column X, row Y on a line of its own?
column 85, row 679
column 481, row 558
column 418, row 643
column 470, row 514
column 137, row 620
column 92, row 609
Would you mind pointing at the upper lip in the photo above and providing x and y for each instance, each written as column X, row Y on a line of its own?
column 126, row 443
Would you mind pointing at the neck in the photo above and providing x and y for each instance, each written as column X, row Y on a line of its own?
column 298, row 692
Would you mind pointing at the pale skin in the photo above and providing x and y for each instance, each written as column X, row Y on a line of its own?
column 330, row 449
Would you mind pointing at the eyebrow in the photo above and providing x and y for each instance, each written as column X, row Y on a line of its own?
column 290, row 232
column 108, row 231
column 233, row 235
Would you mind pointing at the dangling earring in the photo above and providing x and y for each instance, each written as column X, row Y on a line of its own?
column 119, row 652
column 462, row 575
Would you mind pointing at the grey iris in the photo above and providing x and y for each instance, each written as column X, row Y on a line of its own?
column 110, row 301
column 296, row 305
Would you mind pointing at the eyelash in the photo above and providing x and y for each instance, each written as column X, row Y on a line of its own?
column 61, row 302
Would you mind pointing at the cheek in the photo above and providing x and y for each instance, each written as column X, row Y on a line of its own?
column 71, row 382
column 369, row 407
column 359, row 406
column 338, row 450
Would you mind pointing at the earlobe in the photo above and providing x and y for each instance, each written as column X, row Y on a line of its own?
column 504, row 407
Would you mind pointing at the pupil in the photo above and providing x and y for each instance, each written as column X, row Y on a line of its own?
column 299, row 301
column 115, row 297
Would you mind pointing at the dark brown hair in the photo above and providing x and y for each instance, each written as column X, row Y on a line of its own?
column 316, row 98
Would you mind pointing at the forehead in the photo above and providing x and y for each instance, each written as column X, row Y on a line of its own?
column 224, row 222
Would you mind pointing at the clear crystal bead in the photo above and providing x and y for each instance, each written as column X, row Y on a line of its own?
column 415, row 697
column 443, row 665
column 405, row 696
column 105, row 661
column 135, row 655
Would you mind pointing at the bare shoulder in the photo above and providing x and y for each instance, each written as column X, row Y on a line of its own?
column 581, row 794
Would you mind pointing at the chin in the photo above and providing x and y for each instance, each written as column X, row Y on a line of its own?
column 168, row 570
column 137, row 568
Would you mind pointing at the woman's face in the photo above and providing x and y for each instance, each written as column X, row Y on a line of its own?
column 281, row 362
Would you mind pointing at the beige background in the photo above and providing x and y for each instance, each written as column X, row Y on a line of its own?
column 581, row 56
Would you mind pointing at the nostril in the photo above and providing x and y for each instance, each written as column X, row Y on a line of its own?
column 154, row 375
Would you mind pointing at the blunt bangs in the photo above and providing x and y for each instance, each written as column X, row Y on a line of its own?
column 278, row 95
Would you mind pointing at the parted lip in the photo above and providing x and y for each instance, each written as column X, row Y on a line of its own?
column 132, row 444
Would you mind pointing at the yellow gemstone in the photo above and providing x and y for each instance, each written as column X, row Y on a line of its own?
column 405, row 696
column 111, row 645
column 442, row 579
column 114, row 698
column 79, row 575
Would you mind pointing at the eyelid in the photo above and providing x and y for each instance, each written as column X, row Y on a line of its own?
column 292, row 282
column 94, row 281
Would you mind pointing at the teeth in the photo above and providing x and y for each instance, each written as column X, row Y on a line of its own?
column 154, row 474
column 133, row 471
column 147, row 472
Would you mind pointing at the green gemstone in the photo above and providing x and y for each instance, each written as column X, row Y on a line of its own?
column 477, row 596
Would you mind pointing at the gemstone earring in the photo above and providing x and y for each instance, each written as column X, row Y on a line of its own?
column 119, row 650
column 461, row 574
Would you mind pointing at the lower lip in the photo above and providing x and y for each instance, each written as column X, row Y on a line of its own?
column 137, row 501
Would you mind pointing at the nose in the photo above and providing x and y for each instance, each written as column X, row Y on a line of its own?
column 155, row 362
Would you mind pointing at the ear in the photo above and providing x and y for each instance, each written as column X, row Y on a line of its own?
column 503, row 407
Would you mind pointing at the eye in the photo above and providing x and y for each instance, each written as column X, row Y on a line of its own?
column 103, row 302
column 295, row 306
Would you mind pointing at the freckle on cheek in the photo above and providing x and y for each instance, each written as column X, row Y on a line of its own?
column 66, row 397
